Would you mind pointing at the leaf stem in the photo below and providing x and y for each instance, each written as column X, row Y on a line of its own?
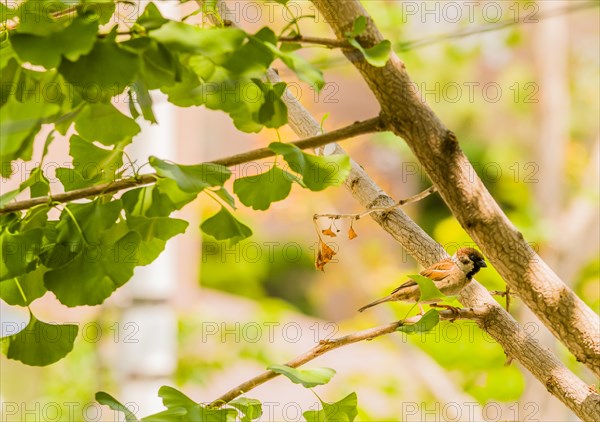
column 68, row 211
column 20, row 290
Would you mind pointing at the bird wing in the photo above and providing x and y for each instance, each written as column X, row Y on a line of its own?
column 439, row 270
column 436, row 272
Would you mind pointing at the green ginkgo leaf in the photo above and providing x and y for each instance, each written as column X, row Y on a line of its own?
column 344, row 410
column 224, row 226
column 429, row 292
column 40, row 344
column 192, row 179
column 426, row 323
column 317, row 172
column 260, row 191
column 114, row 404
column 307, row 377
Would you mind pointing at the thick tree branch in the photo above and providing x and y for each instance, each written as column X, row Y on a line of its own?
column 357, row 128
column 437, row 149
column 325, row 346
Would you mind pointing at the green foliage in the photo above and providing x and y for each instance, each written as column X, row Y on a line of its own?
column 344, row 410
column 23, row 290
column 223, row 225
column 71, row 42
column 377, row 55
column 317, row 172
column 87, row 68
column 250, row 408
column 426, row 323
column 273, row 113
column 359, row 26
column 97, row 270
column 104, row 123
column 158, row 200
column 20, row 122
column 192, row 179
column 108, row 68
column 91, row 164
column 18, row 252
column 154, row 233
column 36, row 182
column 93, row 248
column 307, row 377
column 429, row 291
column 260, row 191
column 40, row 343
column 151, row 18
column 181, row 408
column 114, row 404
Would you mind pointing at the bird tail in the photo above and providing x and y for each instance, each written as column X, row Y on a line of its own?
column 377, row 302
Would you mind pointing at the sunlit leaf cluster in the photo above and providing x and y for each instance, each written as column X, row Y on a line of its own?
column 67, row 68
column 181, row 408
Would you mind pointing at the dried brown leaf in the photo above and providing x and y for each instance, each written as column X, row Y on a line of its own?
column 351, row 233
column 324, row 255
column 327, row 252
column 328, row 232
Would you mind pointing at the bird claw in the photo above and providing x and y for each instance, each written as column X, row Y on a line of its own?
column 453, row 309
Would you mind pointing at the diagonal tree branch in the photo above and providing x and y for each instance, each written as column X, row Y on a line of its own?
column 437, row 149
column 327, row 345
column 358, row 128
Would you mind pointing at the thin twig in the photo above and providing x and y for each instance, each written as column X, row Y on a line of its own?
column 505, row 293
column 327, row 42
column 355, row 129
column 325, row 346
column 495, row 26
column 402, row 202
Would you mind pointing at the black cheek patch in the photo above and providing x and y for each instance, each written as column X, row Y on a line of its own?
column 474, row 271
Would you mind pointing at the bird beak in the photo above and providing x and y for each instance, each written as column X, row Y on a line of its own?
column 482, row 263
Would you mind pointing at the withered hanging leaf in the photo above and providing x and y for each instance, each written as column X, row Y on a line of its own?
column 351, row 233
column 324, row 256
column 328, row 232
column 327, row 251
column 320, row 264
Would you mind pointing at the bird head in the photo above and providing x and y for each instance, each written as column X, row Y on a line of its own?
column 469, row 260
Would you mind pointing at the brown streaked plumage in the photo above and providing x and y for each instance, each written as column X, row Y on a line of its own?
column 449, row 275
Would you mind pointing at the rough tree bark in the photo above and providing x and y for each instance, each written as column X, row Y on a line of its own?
column 438, row 151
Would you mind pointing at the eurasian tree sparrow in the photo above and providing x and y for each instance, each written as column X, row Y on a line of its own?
column 449, row 275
